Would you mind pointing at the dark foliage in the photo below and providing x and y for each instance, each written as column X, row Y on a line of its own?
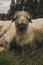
column 35, row 7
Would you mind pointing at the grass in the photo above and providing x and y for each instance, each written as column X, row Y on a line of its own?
column 15, row 58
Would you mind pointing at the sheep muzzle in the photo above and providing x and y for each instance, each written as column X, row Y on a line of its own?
column 22, row 27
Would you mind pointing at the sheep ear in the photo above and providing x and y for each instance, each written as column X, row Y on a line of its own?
column 29, row 17
column 14, row 18
column 30, row 20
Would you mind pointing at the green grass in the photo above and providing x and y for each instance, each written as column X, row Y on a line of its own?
column 15, row 58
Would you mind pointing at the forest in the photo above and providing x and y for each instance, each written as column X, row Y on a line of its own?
column 35, row 7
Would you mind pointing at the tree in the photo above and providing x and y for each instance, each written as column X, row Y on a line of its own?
column 19, row 5
column 3, row 16
column 12, row 9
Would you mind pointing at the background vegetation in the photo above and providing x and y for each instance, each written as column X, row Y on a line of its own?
column 35, row 7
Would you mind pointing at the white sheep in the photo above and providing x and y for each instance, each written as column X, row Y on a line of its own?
column 4, row 26
column 28, row 35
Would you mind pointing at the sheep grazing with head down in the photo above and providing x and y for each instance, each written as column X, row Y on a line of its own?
column 23, row 31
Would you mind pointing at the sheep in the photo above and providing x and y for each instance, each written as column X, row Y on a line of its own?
column 24, row 31
column 1, row 24
column 9, row 38
column 4, row 26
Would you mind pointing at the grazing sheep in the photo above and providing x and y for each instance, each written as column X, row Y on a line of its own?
column 24, row 31
column 4, row 26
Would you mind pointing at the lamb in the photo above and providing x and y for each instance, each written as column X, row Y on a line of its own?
column 24, row 31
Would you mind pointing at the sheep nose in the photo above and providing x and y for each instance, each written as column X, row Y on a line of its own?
column 22, row 26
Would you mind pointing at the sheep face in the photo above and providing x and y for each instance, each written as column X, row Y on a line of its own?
column 22, row 20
